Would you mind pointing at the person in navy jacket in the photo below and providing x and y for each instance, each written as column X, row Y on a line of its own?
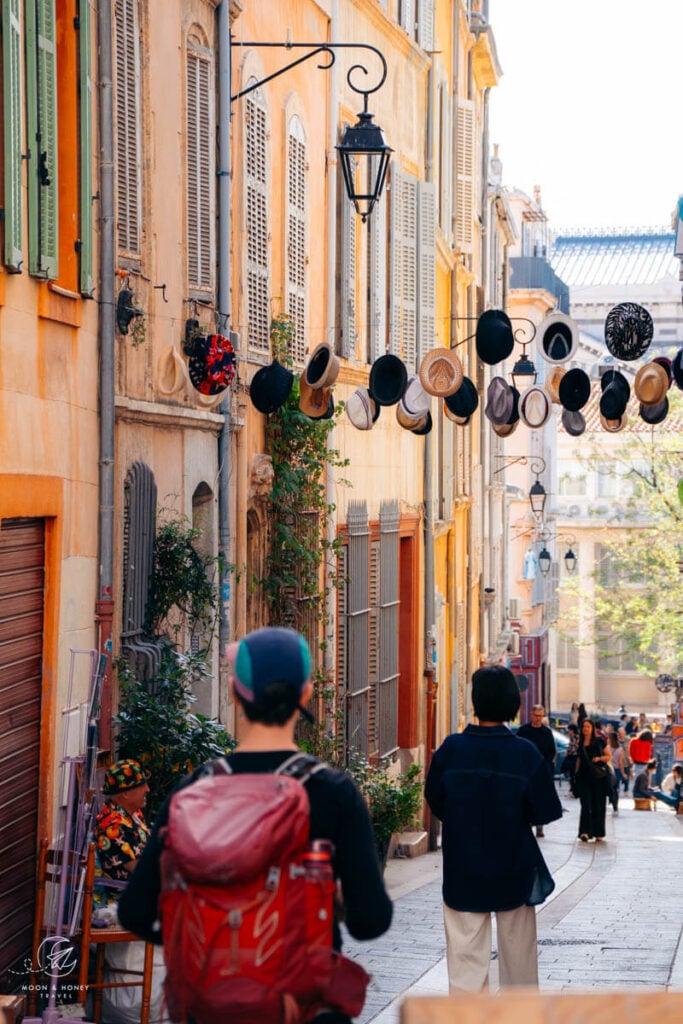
column 488, row 786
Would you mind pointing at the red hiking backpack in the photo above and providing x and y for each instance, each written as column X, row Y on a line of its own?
column 246, row 922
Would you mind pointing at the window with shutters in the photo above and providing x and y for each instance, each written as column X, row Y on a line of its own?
column 426, row 261
column 200, row 166
column 13, row 146
column 42, row 130
column 465, row 172
column 296, row 236
column 444, row 184
column 256, row 214
column 85, row 242
column 403, row 267
column 406, row 16
column 128, row 128
column 567, row 654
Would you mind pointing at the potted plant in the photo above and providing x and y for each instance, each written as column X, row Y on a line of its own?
column 394, row 801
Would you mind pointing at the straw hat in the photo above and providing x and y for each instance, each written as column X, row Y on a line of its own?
column 313, row 401
column 322, row 368
column 552, row 384
column 172, row 374
column 613, row 426
column 534, row 407
column 441, row 372
column 362, row 409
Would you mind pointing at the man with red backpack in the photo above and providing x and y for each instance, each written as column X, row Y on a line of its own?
column 239, row 875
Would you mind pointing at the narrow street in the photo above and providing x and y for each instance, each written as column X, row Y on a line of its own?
column 614, row 920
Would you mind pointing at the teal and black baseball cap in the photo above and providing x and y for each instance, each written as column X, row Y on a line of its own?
column 270, row 655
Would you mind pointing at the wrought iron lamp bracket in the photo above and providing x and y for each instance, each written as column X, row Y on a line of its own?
column 315, row 49
column 535, row 462
column 513, row 319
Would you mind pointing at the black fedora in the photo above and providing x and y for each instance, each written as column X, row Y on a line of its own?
column 677, row 368
column 616, row 392
column 388, row 379
column 573, row 422
column 628, row 330
column 271, row 386
column 464, row 401
column 654, row 414
column 494, row 338
column 574, row 389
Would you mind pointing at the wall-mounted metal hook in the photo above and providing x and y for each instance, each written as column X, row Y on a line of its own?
column 162, row 288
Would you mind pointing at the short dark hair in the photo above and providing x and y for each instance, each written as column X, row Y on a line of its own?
column 495, row 694
column 275, row 704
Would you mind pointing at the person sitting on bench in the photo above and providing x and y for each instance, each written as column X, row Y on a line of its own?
column 643, row 791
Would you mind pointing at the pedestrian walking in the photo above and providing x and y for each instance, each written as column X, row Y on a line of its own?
column 591, row 783
column 542, row 737
column 615, row 775
column 488, row 787
column 218, row 957
column 624, row 743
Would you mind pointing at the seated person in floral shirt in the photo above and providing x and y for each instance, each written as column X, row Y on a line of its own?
column 120, row 830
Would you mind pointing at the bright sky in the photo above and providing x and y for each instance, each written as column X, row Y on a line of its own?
column 589, row 107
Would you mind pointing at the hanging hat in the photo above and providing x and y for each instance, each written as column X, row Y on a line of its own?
column 172, row 375
column 322, row 368
column 271, row 386
column 573, row 422
column 677, row 368
column 362, row 409
column 616, row 392
column 499, row 401
column 654, row 414
column 388, row 379
column 124, row 774
column 461, row 421
column 504, row 429
column 575, row 389
column 212, row 364
column 666, row 363
column 424, row 427
column 414, row 404
column 615, row 425
column 462, row 403
column 514, row 415
column 651, row 384
column 494, row 338
column 315, row 402
column 559, row 338
column 441, row 372
column 534, row 407
column 628, row 330
column 552, row 383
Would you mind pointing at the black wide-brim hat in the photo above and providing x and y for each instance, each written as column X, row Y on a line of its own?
column 677, row 368
column 270, row 388
column 514, row 415
column 575, row 389
column 654, row 414
column 628, row 330
column 616, row 392
column 388, row 379
column 464, row 401
column 573, row 422
column 494, row 338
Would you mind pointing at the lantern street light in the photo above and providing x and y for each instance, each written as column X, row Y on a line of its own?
column 544, row 560
column 570, row 561
column 363, row 152
column 538, row 494
column 523, row 373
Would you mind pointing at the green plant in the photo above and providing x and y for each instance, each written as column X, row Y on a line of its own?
column 138, row 331
column 393, row 801
column 156, row 726
column 182, row 578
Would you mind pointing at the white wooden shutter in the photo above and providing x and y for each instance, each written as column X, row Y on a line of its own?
column 41, row 90
column 465, row 176
column 445, row 163
column 12, row 113
column 403, row 266
column 128, row 128
column 426, row 25
column 427, row 263
column 86, row 281
column 296, row 237
column 200, row 171
column 348, row 278
column 377, row 309
column 256, row 213
column 407, row 16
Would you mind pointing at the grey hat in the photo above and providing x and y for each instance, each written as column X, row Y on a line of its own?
column 361, row 409
column 499, row 401
column 573, row 422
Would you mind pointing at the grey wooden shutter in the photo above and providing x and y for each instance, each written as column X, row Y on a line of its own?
column 426, row 279
column 256, row 213
column 41, row 118
column 348, row 277
column 374, row 645
column 377, row 305
column 296, row 237
column 358, row 620
column 465, row 176
column 387, row 703
column 86, row 282
column 12, row 114
column 342, row 638
column 200, row 171
column 128, row 128
column 425, row 25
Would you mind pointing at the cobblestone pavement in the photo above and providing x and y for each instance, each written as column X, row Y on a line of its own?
column 615, row 919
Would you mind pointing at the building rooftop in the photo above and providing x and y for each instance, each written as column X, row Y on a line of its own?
column 619, row 257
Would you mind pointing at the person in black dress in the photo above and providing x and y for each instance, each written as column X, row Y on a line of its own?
column 591, row 782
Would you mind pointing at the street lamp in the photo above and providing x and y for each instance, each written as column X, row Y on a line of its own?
column 523, row 372
column 544, row 560
column 570, row 561
column 538, row 494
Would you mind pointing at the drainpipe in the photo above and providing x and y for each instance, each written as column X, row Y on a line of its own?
column 330, row 316
column 224, row 268
column 104, row 606
column 454, row 712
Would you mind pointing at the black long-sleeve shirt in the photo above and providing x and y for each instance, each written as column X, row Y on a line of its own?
column 542, row 737
column 338, row 813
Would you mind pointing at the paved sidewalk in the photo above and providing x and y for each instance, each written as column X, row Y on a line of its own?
column 615, row 919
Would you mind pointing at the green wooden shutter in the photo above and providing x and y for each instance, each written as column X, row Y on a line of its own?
column 85, row 87
column 41, row 93
column 11, row 89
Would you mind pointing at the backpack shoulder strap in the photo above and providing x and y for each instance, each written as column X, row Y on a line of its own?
column 300, row 766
